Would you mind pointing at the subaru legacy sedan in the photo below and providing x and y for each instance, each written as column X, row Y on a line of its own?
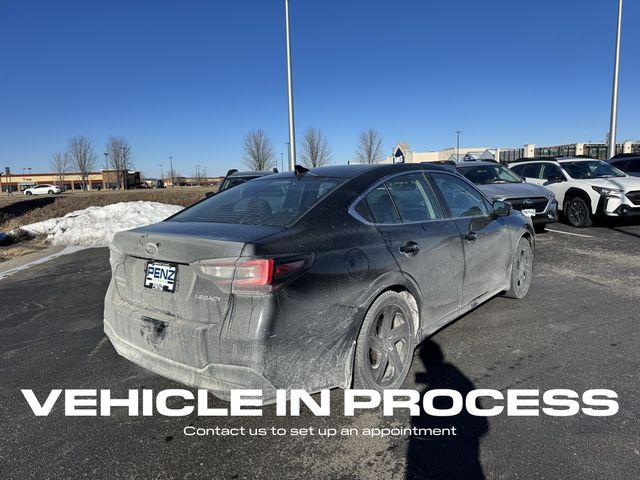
column 312, row 279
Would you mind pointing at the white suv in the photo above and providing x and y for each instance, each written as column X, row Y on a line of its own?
column 584, row 187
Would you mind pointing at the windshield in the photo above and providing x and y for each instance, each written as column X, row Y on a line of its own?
column 581, row 170
column 268, row 201
column 487, row 174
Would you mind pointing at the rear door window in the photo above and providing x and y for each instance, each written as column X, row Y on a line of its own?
column 414, row 198
column 550, row 170
column 404, row 199
column 528, row 170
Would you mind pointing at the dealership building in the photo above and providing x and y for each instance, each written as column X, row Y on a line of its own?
column 402, row 152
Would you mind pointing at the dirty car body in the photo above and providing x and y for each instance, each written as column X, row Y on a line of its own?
column 266, row 285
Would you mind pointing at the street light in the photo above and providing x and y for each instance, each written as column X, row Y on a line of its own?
column 161, row 174
column 457, row 145
column 614, row 93
column 292, row 128
column 122, row 164
column 171, row 167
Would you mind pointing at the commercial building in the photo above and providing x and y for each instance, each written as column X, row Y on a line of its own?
column 104, row 179
column 402, row 152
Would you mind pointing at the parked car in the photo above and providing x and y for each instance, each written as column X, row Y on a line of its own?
column 584, row 187
column 500, row 183
column 234, row 177
column 629, row 163
column 44, row 189
column 312, row 279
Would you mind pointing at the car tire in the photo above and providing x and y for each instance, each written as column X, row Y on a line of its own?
column 385, row 345
column 50, row 192
column 521, row 270
column 27, row 193
column 578, row 213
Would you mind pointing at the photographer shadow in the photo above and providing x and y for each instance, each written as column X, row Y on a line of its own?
column 445, row 456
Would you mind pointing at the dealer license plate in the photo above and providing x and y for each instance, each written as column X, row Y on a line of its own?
column 529, row 212
column 161, row 276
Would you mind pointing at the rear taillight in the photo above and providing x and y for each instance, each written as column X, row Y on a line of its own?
column 252, row 275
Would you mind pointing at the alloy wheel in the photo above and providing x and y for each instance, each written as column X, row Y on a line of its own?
column 389, row 345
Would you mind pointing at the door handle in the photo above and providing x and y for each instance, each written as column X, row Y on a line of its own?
column 409, row 248
column 470, row 236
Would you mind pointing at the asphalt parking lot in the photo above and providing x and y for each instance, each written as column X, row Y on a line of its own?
column 577, row 329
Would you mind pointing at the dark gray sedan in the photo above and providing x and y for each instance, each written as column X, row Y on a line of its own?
column 313, row 279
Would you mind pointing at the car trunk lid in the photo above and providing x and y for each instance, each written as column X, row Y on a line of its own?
column 180, row 245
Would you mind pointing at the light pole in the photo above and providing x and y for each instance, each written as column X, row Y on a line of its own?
column 292, row 128
column 106, row 166
column 457, row 145
column 613, row 125
column 161, row 175
column 282, row 161
column 122, row 165
column 171, row 167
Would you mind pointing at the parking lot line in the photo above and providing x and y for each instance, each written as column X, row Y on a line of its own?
column 569, row 233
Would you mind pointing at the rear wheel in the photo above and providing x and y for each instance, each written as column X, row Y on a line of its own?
column 385, row 345
column 27, row 192
column 521, row 270
column 50, row 192
column 578, row 213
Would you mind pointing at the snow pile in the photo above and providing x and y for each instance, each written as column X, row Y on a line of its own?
column 95, row 226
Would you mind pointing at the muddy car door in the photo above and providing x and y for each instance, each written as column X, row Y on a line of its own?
column 486, row 239
column 426, row 245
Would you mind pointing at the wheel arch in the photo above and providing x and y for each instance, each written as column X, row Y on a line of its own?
column 577, row 192
column 402, row 286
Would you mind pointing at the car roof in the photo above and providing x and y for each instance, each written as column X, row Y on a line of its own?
column 350, row 171
column 480, row 163
column 252, row 173
column 625, row 155
column 576, row 159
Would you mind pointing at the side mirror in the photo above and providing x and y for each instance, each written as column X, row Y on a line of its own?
column 501, row 209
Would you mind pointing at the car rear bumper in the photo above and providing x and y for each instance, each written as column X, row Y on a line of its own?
column 258, row 345
column 219, row 379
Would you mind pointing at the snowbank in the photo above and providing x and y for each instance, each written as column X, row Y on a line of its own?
column 95, row 226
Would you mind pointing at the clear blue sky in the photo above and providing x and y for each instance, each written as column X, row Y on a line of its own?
column 190, row 78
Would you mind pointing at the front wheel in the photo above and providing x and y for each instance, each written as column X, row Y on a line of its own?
column 50, row 192
column 521, row 270
column 578, row 213
column 27, row 193
column 385, row 345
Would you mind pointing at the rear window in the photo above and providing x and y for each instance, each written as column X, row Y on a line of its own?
column 272, row 201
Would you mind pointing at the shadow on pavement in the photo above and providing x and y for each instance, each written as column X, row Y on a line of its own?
column 452, row 456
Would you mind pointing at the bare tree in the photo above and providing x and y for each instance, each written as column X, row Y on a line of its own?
column 59, row 164
column 258, row 150
column 369, row 146
column 82, row 157
column 119, row 158
column 315, row 151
